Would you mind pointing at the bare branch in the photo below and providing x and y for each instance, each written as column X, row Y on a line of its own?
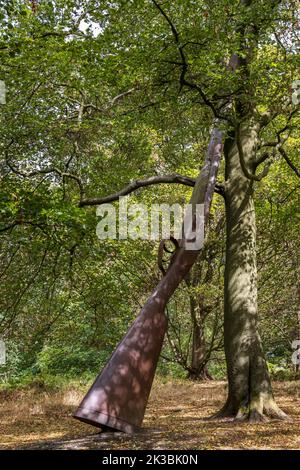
column 184, row 65
column 282, row 201
column 246, row 172
column 261, row 159
column 134, row 185
column 16, row 223
column 111, row 103
column 8, row 227
column 131, row 187
column 289, row 161
column 267, row 118
column 152, row 180
column 278, row 144
column 47, row 171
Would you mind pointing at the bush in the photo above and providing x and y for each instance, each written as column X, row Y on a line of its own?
column 69, row 360
column 170, row 369
column 217, row 369
column 280, row 372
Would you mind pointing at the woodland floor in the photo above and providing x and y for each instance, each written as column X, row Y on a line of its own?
column 175, row 419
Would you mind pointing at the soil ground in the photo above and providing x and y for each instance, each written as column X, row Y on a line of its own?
column 176, row 418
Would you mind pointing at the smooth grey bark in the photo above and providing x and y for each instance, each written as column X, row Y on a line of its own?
column 249, row 388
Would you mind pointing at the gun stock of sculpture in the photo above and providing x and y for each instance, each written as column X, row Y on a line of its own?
column 119, row 395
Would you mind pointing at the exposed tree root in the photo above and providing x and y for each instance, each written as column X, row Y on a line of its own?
column 259, row 410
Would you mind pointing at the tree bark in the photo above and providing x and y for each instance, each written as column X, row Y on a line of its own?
column 250, row 393
column 297, row 368
column 198, row 369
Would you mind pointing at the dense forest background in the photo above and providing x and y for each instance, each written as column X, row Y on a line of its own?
column 92, row 104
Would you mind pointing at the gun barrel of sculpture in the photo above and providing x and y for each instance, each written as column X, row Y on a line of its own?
column 118, row 397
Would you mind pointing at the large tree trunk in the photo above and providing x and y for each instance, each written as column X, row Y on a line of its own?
column 249, row 388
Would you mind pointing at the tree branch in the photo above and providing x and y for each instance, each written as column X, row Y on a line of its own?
column 266, row 118
column 47, row 171
column 131, row 187
column 152, row 180
column 288, row 161
column 111, row 103
column 279, row 143
column 246, row 172
column 261, row 159
column 184, row 65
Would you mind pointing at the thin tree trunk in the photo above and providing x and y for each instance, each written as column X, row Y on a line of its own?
column 198, row 369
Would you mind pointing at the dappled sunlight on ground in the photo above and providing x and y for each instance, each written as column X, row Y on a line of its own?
column 175, row 419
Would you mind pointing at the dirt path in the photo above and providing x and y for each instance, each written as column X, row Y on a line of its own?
column 175, row 419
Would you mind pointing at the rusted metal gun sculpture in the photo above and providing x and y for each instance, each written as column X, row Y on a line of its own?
column 119, row 395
